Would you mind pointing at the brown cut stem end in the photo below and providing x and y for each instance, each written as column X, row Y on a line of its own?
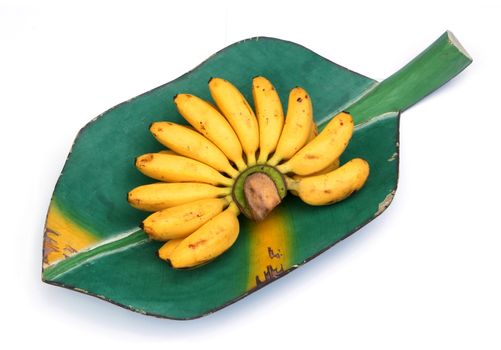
column 261, row 195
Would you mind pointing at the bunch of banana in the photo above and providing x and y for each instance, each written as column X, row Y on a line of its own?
column 232, row 160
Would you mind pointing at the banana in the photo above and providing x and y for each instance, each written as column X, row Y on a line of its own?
column 323, row 149
column 209, row 241
column 166, row 250
column 332, row 166
column 297, row 126
column 237, row 111
column 167, row 151
column 192, row 144
column 270, row 116
column 313, row 131
column 331, row 187
column 161, row 195
column 210, row 123
column 182, row 220
column 174, row 168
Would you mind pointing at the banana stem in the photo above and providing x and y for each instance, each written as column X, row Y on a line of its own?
column 284, row 168
column 262, row 159
column 251, row 159
column 225, row 191
column 291, row 183
column 274, row 160
column 232, row 172
column 241, row 165
column 234, row 208
column 227, row 182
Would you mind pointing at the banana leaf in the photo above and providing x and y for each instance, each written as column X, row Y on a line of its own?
column 92, row 242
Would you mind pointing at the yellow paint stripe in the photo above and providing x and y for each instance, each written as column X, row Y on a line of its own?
column 270, row 252
column 63, row 237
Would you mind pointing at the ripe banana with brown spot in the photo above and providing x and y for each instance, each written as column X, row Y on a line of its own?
column 323, row 149
column 189, row 143
column 174, row 168
column 297, row 126
column 209, row 241
column 333, row 166
column 270, row 116
column 158, row 196
column 182, row 220
column 166, row 250
column 209, row 122
column 333, row 186
column 238, row 112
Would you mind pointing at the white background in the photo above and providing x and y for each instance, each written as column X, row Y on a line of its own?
column 425, row 274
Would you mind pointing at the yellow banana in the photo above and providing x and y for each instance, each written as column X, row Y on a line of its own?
column 167, row 151
column 174, row 168
column 209, row 241
column 236, row 109
column 209, row 122
column 313, row 131
column 182, row 220
column 192, row 144
column 332, row 166
column 161, row 195
column 323, row 149
column 297, row 126
column 331, row 187
column 270, row 116
column 313, row 134
column 166, row 250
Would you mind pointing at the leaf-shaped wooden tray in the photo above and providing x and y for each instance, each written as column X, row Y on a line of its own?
column 92, row 242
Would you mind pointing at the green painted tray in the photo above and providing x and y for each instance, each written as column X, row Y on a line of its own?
column 92, row 243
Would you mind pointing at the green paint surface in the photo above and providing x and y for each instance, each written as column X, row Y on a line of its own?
column 100, row 171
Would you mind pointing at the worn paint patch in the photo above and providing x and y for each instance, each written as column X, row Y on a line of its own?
column 385, row 203
column 270, row 247
column 63, row 237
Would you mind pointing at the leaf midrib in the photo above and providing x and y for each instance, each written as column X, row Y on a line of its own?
column 54, row 271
